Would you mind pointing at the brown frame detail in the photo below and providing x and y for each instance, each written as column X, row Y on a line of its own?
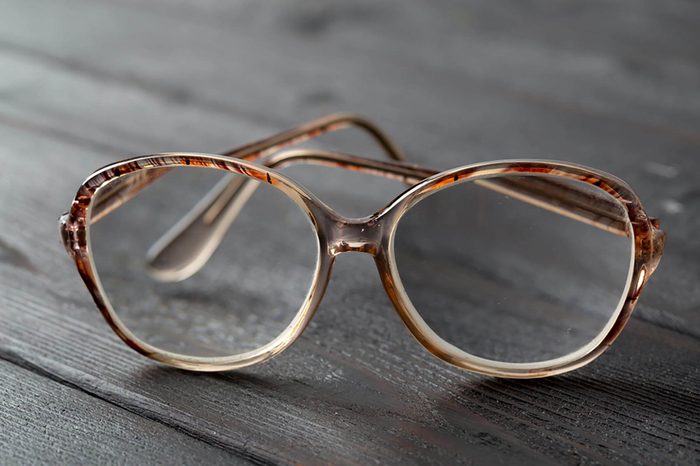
column 373, row 234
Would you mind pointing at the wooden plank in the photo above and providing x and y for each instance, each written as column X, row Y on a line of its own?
column 362, row 390
column 534, row 73
column 53, row 423
column 355, row 392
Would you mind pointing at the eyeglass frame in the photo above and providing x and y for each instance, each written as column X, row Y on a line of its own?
column 373, row 234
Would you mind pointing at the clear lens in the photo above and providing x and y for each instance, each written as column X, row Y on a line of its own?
column 242, row 297
column 511, row 281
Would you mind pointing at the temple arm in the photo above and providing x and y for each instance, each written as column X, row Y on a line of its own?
column 122, row 192
column 188, row 245
column 312, row 130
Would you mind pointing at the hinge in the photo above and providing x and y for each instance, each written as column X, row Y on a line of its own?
column 658, row 241
column 72, row 234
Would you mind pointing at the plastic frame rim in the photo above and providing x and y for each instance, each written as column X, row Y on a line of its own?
column 452, row 354
column 337, row 234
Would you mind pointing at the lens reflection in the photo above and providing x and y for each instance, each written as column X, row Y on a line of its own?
column 243, row 297
column 509, row 281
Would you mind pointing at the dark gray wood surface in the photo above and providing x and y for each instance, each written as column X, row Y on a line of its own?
column 614, row 85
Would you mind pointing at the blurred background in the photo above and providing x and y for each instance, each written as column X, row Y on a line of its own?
column 610, row 84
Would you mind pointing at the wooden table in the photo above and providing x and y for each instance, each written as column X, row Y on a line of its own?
column 614, row 85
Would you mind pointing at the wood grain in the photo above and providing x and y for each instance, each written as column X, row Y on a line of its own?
column 44, row 420
column 614, row 86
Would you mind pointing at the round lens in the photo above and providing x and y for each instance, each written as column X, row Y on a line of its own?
column 240, row 295
column 516, row 269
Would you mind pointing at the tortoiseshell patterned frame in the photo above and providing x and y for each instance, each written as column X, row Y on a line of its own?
column 373, row 235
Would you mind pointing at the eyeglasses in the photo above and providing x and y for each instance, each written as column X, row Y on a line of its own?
column 515, row 268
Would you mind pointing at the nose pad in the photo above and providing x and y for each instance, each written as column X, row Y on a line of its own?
column 356, row 235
